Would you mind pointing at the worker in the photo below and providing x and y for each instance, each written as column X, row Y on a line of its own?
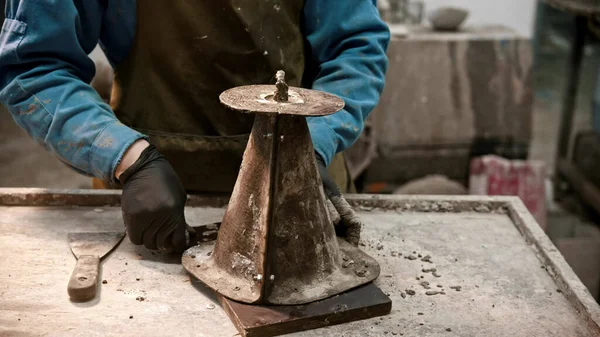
column 165, row 132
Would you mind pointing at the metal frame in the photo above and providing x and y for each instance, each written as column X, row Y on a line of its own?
column 564, row 169
column 581, row 7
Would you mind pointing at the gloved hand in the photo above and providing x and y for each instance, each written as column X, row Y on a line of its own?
column 152, row 203
column 349, row 224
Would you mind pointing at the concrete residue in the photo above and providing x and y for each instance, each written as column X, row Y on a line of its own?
column 430, row 206
column 244, row 264
column 433, row 292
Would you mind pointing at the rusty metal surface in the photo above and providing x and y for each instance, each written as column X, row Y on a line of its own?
column 281, row 88
column 352, row 262
column 95, row 243
column 491, row 246
column 277, row 244
column 259, row 99
column 239, row 255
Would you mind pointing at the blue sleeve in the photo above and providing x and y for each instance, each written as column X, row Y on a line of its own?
column 45, row 74
column 347, row 43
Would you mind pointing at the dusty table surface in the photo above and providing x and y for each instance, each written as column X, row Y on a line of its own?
column 505, row 288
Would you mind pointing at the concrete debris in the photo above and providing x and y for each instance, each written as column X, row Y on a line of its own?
column 360, row 272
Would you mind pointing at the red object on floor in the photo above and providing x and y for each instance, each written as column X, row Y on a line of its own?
column 493, row 175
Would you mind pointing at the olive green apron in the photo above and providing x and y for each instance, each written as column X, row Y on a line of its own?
column 185, row 53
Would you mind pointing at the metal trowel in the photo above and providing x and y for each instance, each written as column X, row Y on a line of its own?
column 89, row 248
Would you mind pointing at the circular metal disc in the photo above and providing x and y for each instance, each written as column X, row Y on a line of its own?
column 301, row 102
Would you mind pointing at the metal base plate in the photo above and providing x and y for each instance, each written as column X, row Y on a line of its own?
column 264, row 321
column 358, row 268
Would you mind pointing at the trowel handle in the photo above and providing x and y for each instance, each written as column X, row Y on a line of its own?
column 84, row 280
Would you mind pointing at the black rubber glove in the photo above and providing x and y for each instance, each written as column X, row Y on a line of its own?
column 349, row 226
column 152, row 203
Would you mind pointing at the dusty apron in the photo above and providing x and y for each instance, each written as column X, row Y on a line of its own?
column 184, row 55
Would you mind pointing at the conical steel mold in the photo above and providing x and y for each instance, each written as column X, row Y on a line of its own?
column 276, row 244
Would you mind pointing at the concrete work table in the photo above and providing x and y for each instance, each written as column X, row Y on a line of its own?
column 513, row 282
